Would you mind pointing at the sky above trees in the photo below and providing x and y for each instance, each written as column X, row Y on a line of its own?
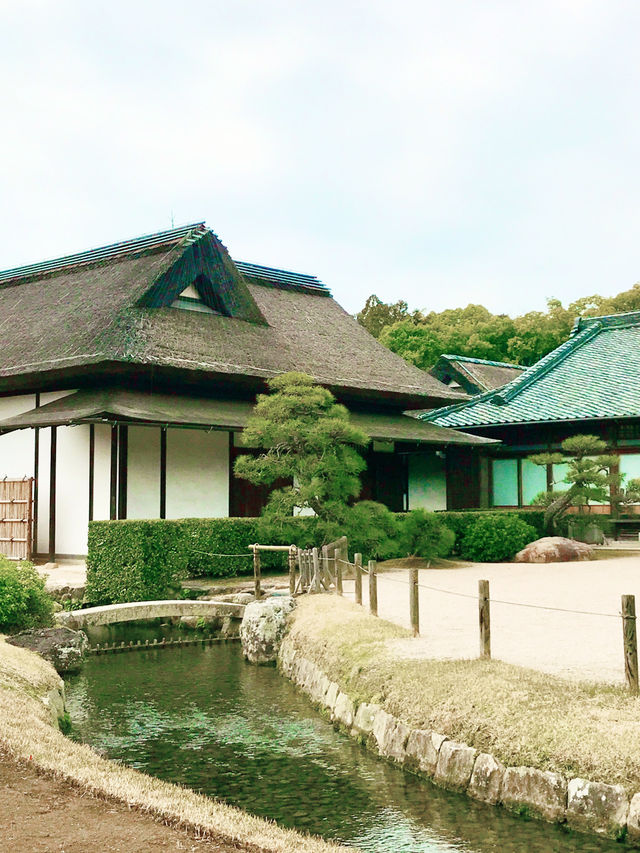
column 445, row 153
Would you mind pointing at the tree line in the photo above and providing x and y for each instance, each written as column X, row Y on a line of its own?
column 422, row 337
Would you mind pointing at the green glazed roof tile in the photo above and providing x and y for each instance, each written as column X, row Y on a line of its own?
column 593, row 375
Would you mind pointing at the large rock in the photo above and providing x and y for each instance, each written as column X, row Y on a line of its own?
column 455, row 764
column 390, row 735
column 526, row 790
column 486, row 779
column 597, row 807
column 263, row 627
column 633, row 820
column 555, row 549
column 63, row 648
column 422, row 750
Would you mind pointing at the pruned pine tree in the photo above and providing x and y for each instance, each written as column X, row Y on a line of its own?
column 307, row 439
column 590, row 475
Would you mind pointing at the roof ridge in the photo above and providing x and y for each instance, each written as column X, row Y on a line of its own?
column 489, row 363
column 500, row 396
column 625, row 318
column 188, row 233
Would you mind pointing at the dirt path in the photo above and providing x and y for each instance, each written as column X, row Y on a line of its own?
column 43, row 815
column 571, row 645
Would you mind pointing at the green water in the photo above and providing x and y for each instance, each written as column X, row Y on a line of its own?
column 202, row 717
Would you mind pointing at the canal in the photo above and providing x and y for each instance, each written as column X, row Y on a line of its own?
column 202, row 717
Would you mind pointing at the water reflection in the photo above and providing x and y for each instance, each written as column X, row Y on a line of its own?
column 202, row 717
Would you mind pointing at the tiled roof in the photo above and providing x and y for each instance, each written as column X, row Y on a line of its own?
column 474, row 375
column 594, row 375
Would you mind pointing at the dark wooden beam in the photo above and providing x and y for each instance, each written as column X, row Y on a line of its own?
column 163, row 472
column 123, row 445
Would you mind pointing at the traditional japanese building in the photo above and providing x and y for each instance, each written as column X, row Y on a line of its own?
column 473, row 375
column 587, row 385
column 128, row 372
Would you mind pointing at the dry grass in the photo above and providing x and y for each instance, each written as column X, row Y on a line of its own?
column 521, row 716
column 26, row 731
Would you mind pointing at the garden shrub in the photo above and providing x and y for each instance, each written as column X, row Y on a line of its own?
column 23, row 600
column 496, row 538
column 424, row 534
column 460, row 521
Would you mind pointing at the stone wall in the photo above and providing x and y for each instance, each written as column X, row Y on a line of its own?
column 586, row 806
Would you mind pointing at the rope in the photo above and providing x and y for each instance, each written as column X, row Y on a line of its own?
column 501, row 601
column 208, row 554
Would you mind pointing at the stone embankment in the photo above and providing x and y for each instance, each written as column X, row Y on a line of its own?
column 584, row 805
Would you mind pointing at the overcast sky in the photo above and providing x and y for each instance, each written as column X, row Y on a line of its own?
column 442, row 152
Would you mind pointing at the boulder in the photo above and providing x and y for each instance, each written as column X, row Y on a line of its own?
column 422, row 750
column 555, row 549
column 455, row 764
column 596, row 807
column 263, row 627
column 526, row 790
column 63, row 648
column 486, row 779
column 633, row 820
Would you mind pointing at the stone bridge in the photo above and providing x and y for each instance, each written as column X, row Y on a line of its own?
column 109, row 614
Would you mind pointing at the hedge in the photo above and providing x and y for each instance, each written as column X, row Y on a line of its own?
column 141, row 560
column 459, row 522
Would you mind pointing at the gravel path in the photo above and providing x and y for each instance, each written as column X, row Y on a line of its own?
column 581, row 647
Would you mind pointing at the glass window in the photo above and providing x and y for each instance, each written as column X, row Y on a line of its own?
column 534, row 481
column 505, row 482
column 630, row 466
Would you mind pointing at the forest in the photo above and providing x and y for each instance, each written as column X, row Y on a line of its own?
column 422, row 337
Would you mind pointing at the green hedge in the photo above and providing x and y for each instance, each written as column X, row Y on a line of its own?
column 145, row 560
column 459, row 522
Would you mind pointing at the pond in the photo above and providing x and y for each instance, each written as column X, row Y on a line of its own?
column 200, row 716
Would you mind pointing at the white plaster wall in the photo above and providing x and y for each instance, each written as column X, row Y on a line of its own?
column 72, row 489
column 427, row 481
column 143, row 472
column 17, row 448
column 101, row 472
column 197, row 473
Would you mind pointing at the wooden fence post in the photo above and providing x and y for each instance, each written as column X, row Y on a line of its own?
column 316, row 570
column 630, row 642
column 338, row 553
column 256, row 572
column 373, row 588
column 325, row 564
column 484, row 619
column 358, row 564
column 292, row 569
column 414, row 604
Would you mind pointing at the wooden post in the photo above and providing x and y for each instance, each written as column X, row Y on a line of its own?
column 331, row 566
column 414, row 604
column 325, row 565
column 630, row 642
column 358, row 564
column 256, row 572
column 484, row 619
column 316, row 570
column 339, row 552
column 292, row 569
column 373, row 588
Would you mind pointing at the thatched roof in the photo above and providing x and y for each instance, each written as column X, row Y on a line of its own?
column 107, row 312
column 122, row 406
column 474, row 375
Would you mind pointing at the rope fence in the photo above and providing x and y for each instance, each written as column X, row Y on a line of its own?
column 326, row 576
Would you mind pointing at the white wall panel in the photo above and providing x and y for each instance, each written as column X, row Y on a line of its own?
column 17, row 448
column 143, row 472
column 197, row 473
column 101, row 472
column 427, row 482
column 72, row 489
